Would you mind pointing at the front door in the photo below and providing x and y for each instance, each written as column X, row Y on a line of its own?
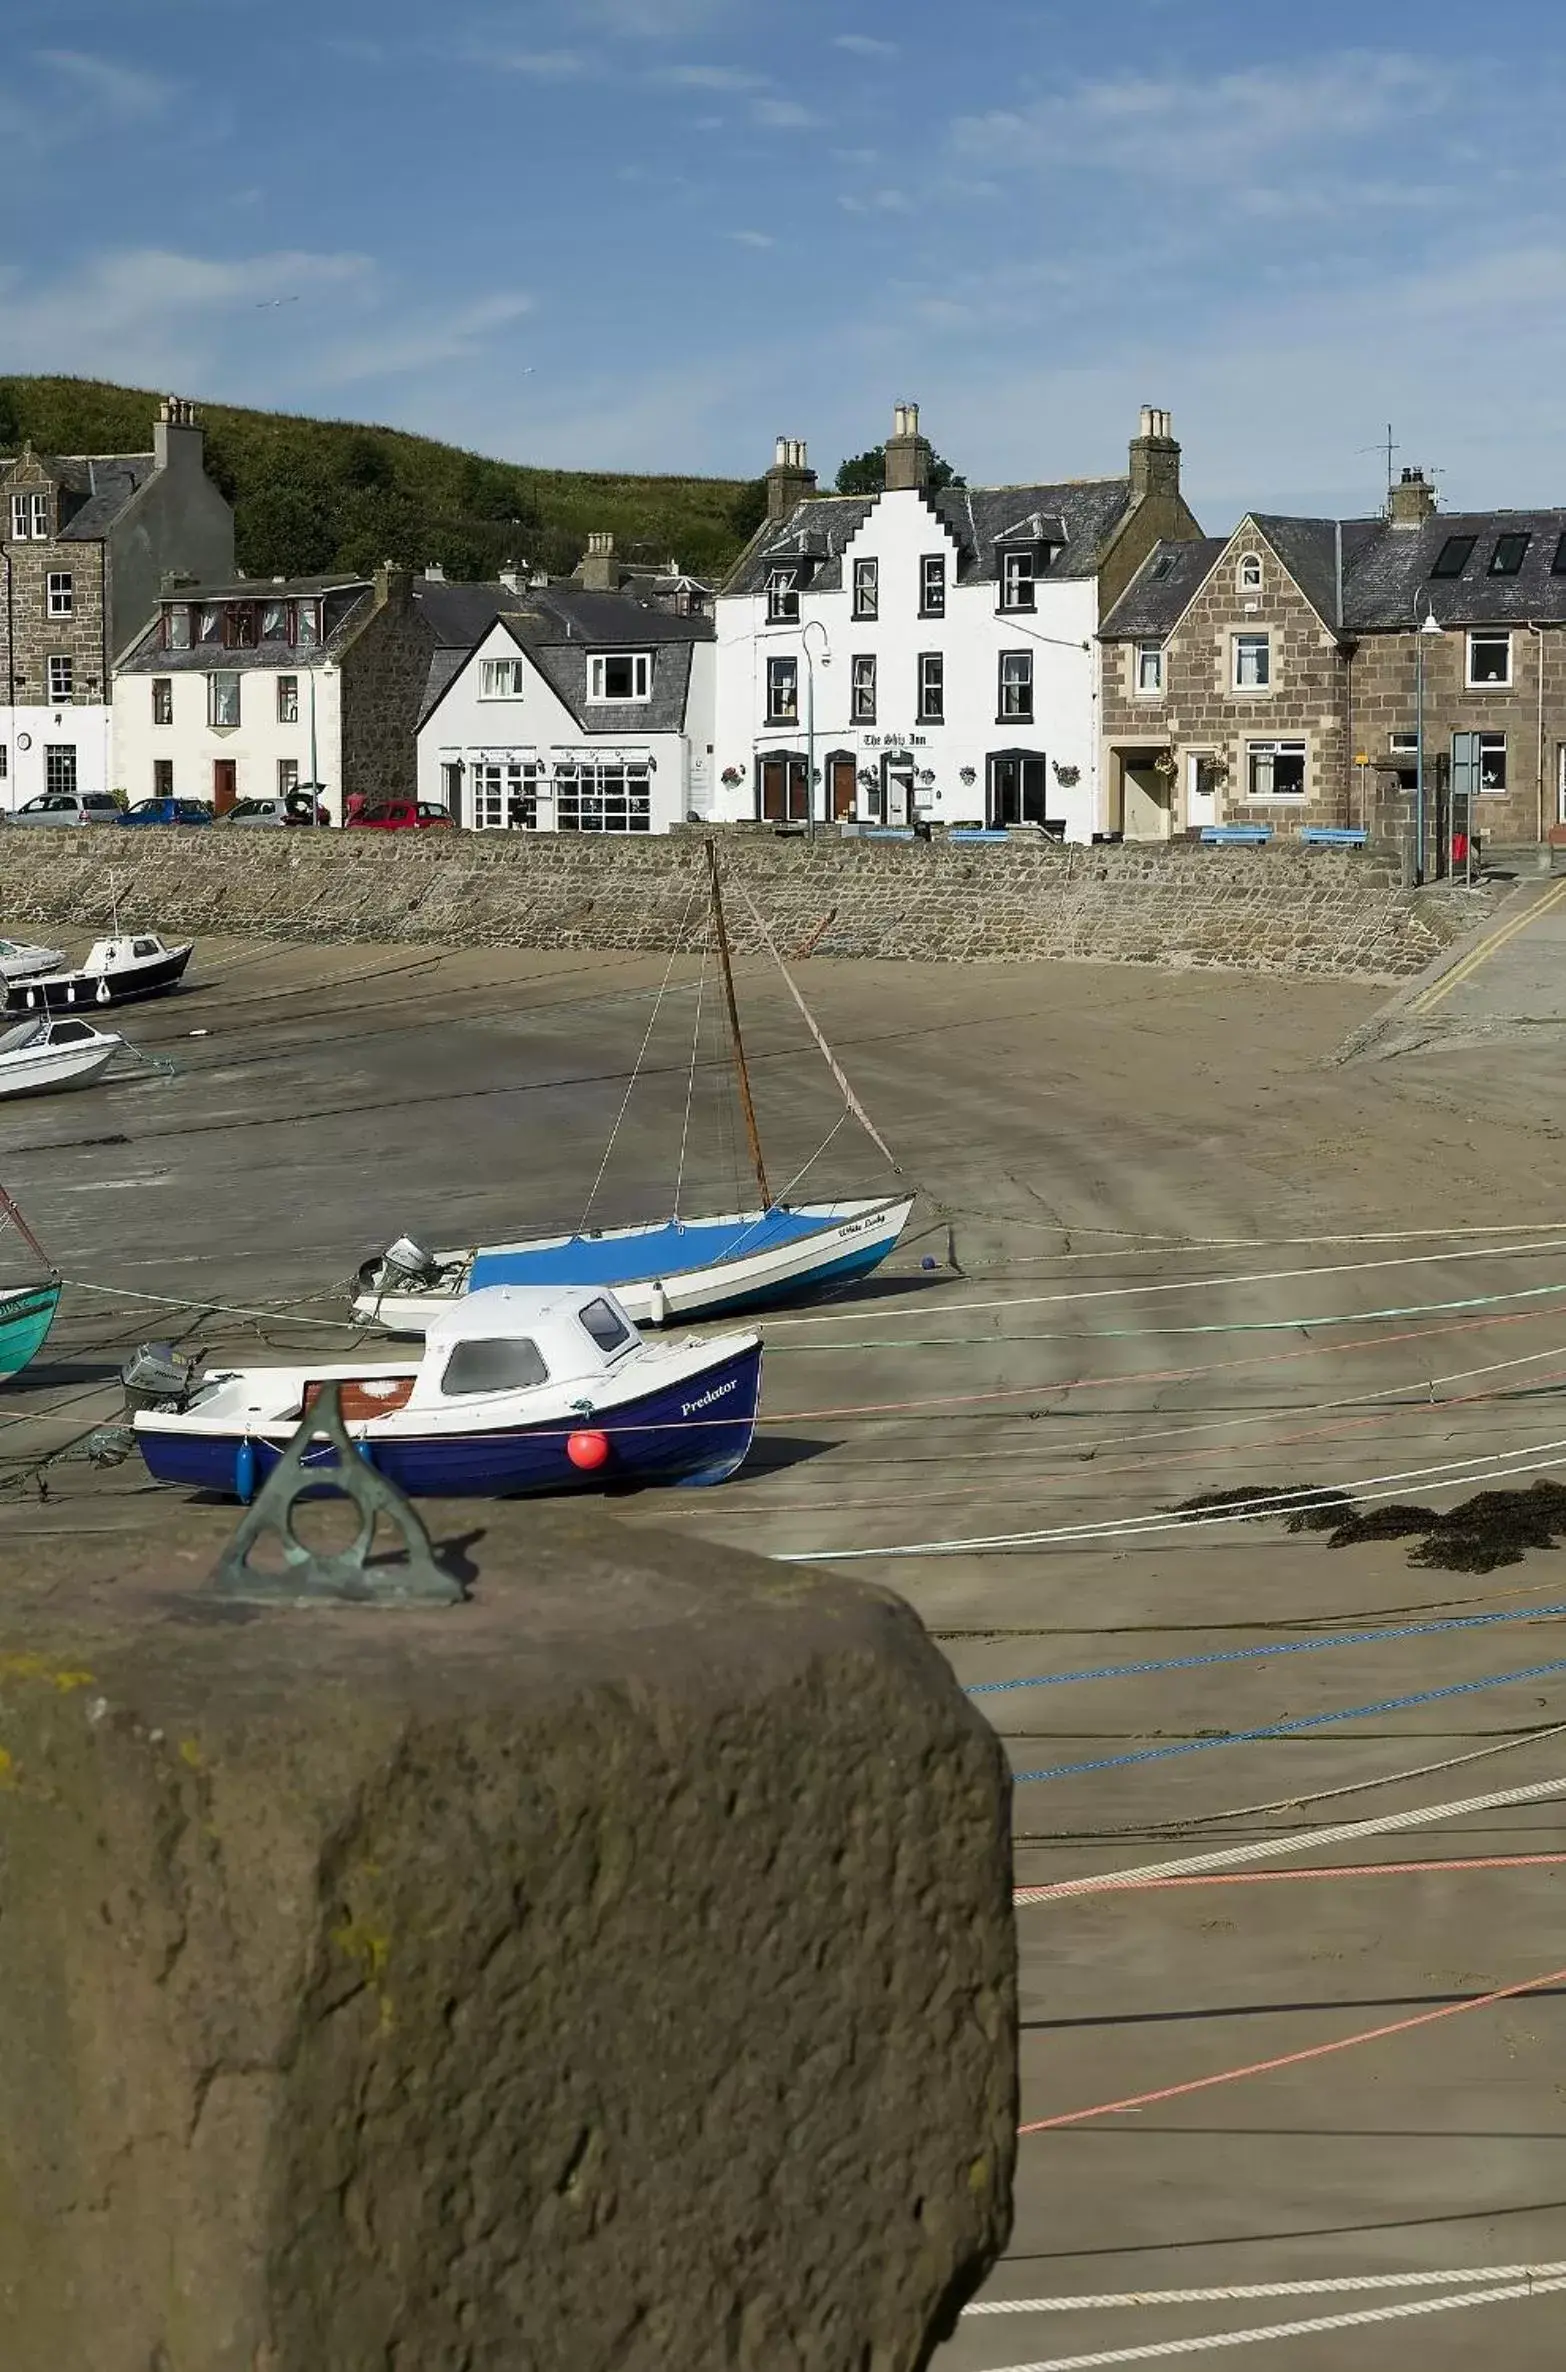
column 783, row 797
column 1148, row 799
column 1201, row 791
column 899, row 782
column 1560, row 782
column 225, row 784
column 842, row 775
column 1019, row 784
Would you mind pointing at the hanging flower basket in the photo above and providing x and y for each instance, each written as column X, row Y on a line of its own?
column 731, row 778
column 869, row 778
column 967, row 774
column 1067, row 775
column 927, row 774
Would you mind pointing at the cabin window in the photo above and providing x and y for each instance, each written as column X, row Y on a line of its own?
column 145, row 947
column 70, row 1033
column 606, row 1327
column 509, row 1365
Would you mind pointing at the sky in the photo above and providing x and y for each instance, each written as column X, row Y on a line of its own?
column 657, row 234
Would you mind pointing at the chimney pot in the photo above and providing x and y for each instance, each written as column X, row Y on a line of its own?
column 1155, row 456
column 908, row 454
column 790, row 480
column 1412, row 501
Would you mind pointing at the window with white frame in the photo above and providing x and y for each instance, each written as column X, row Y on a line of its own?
column 62, row 593
column 932, row 585
column 863, row 689
column 1492, row 761
column 30, row 518
column 1252, row 662
column 608, row 797
column 1149, row 675
column 223, row 698
column 1017, row 588
column 1275, row 769
column 867, row 588
column 60, row 768
column 1489, row 656
column 175, row 634
column 619, row 675
column 1408, row 742
column 62, row 676
column 783, row 597
column 932, row 687
column 288, row 699
column 501, row 679
column 782, row 691
column 504, row 794
column 1015, row 703
column 163, row 700
column 1249, row 572
column 287, row 777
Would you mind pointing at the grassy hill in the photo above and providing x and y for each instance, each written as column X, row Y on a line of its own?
column 320, row 494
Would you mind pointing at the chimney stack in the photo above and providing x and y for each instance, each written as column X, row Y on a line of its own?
column 1412, row 502
column 1155, row 457
column 908, row 454
column 599, row 572
column 178, row 438
column 511, row 578
column 434, row 574
column 790, row 480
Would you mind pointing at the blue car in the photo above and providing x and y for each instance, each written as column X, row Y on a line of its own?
column 168, row 811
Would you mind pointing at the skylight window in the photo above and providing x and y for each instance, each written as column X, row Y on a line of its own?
column 1454, row 555
column 1507, row 558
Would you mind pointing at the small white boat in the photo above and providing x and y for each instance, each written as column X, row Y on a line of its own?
column 43, row 1057
column 21, row 962
column 513, row 1392
column 116, row 971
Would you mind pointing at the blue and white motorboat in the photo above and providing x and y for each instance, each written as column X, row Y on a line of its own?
column 516, row 1391
column 26, row 1311
column 777, row 1250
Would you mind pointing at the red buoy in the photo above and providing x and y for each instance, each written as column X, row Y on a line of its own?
column 588, row 1451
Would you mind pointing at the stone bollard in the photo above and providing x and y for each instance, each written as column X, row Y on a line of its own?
column 614, row 1972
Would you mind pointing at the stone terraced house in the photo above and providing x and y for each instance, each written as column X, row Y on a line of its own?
column 928, row 654
column 86, row 541
column 1272, row 677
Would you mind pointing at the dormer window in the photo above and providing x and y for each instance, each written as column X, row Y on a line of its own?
column 1250, row 573
column 307, row 624
column 619, row 675
column 240, row 626
column 30, row 518
column 175, row 633
column 783, row 597
column 1018, row 571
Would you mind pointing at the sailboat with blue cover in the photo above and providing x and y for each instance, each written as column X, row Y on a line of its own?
column 26, row 1311
column 776, row 1250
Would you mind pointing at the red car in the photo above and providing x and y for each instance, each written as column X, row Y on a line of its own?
column 401, row 815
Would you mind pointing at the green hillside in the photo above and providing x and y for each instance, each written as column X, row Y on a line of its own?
column 311, row 495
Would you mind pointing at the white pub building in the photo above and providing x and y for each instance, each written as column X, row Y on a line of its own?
column 929, row 655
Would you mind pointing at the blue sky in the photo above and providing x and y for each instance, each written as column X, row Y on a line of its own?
column 657, row 233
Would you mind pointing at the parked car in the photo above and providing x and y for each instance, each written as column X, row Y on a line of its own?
column 401, row 815
column 69, row 807
column 274, row 814
column 168, row 811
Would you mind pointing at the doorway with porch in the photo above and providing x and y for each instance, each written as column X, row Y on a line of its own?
column 897, row 788
column 1147, row 794
column 1018, row 788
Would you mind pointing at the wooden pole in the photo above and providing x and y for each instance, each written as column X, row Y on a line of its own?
column 742, row 1073
column 9, row 1211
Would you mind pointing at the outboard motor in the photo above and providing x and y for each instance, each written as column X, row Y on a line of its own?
column 157, row 1376
column 403, row 1267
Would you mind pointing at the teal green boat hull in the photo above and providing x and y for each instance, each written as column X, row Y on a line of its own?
column 25, row 1320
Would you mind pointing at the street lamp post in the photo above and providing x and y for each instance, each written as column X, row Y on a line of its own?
column 1428, row 625
column 810, row 715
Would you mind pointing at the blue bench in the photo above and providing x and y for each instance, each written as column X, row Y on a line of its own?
column 972, row 832
column 1329, row 836
column 1236, row 835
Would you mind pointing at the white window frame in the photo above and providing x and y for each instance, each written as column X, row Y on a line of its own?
column 867, row 590
column 932, row 579
column 1491, row 747
column 223, row 675
column 1488, row 634
column 287, row 777
column 1248, row 572
column 162, row 700
column 499, row 788
column 603, row 795
column 1291, row 746
column 60, row 677
column 1147, row 670
column 29, row 518
column 500, row 679
column 1014, row 692
column 783, row 597
column 930, row 687
column 862, row 688
column 781, row 672
column 641, row 678
column 61, row 593
column 288, row 699
column 1018, row 581
column 1258, row 644
column 1403, row 745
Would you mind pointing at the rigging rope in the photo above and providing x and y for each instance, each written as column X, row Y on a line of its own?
column 833, row 1065
column 690, row 1084
column 630, row 1086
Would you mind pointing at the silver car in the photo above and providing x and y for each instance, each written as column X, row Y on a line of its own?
column 68, row 807
column 274, row 814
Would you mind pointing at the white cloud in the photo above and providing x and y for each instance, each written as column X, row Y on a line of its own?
column 545, row 65
column 651, row 20
column 125, row 92
column 152, row 313
column 876, row 201
column 412, row 344
column 751, row 238
column 712, row 78
column 784, row 115
column 865, row 45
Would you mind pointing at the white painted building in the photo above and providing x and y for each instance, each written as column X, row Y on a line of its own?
column 576, row 712
column 929, row 655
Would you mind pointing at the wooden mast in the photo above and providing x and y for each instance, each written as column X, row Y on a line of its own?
column 747, row 1101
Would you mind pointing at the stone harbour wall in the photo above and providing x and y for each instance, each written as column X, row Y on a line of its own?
column 1279, row 910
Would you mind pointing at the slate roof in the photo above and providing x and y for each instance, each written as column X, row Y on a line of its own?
column 1085, row 511
column 289, row 658
column 99, row 486
column 1387, row 573
column 559, row 626
column 461, row 614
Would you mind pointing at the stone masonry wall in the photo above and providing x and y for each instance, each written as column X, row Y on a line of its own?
column 80, row 637
column 384, row 671
column 1283, row 909
column 1385, row 704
